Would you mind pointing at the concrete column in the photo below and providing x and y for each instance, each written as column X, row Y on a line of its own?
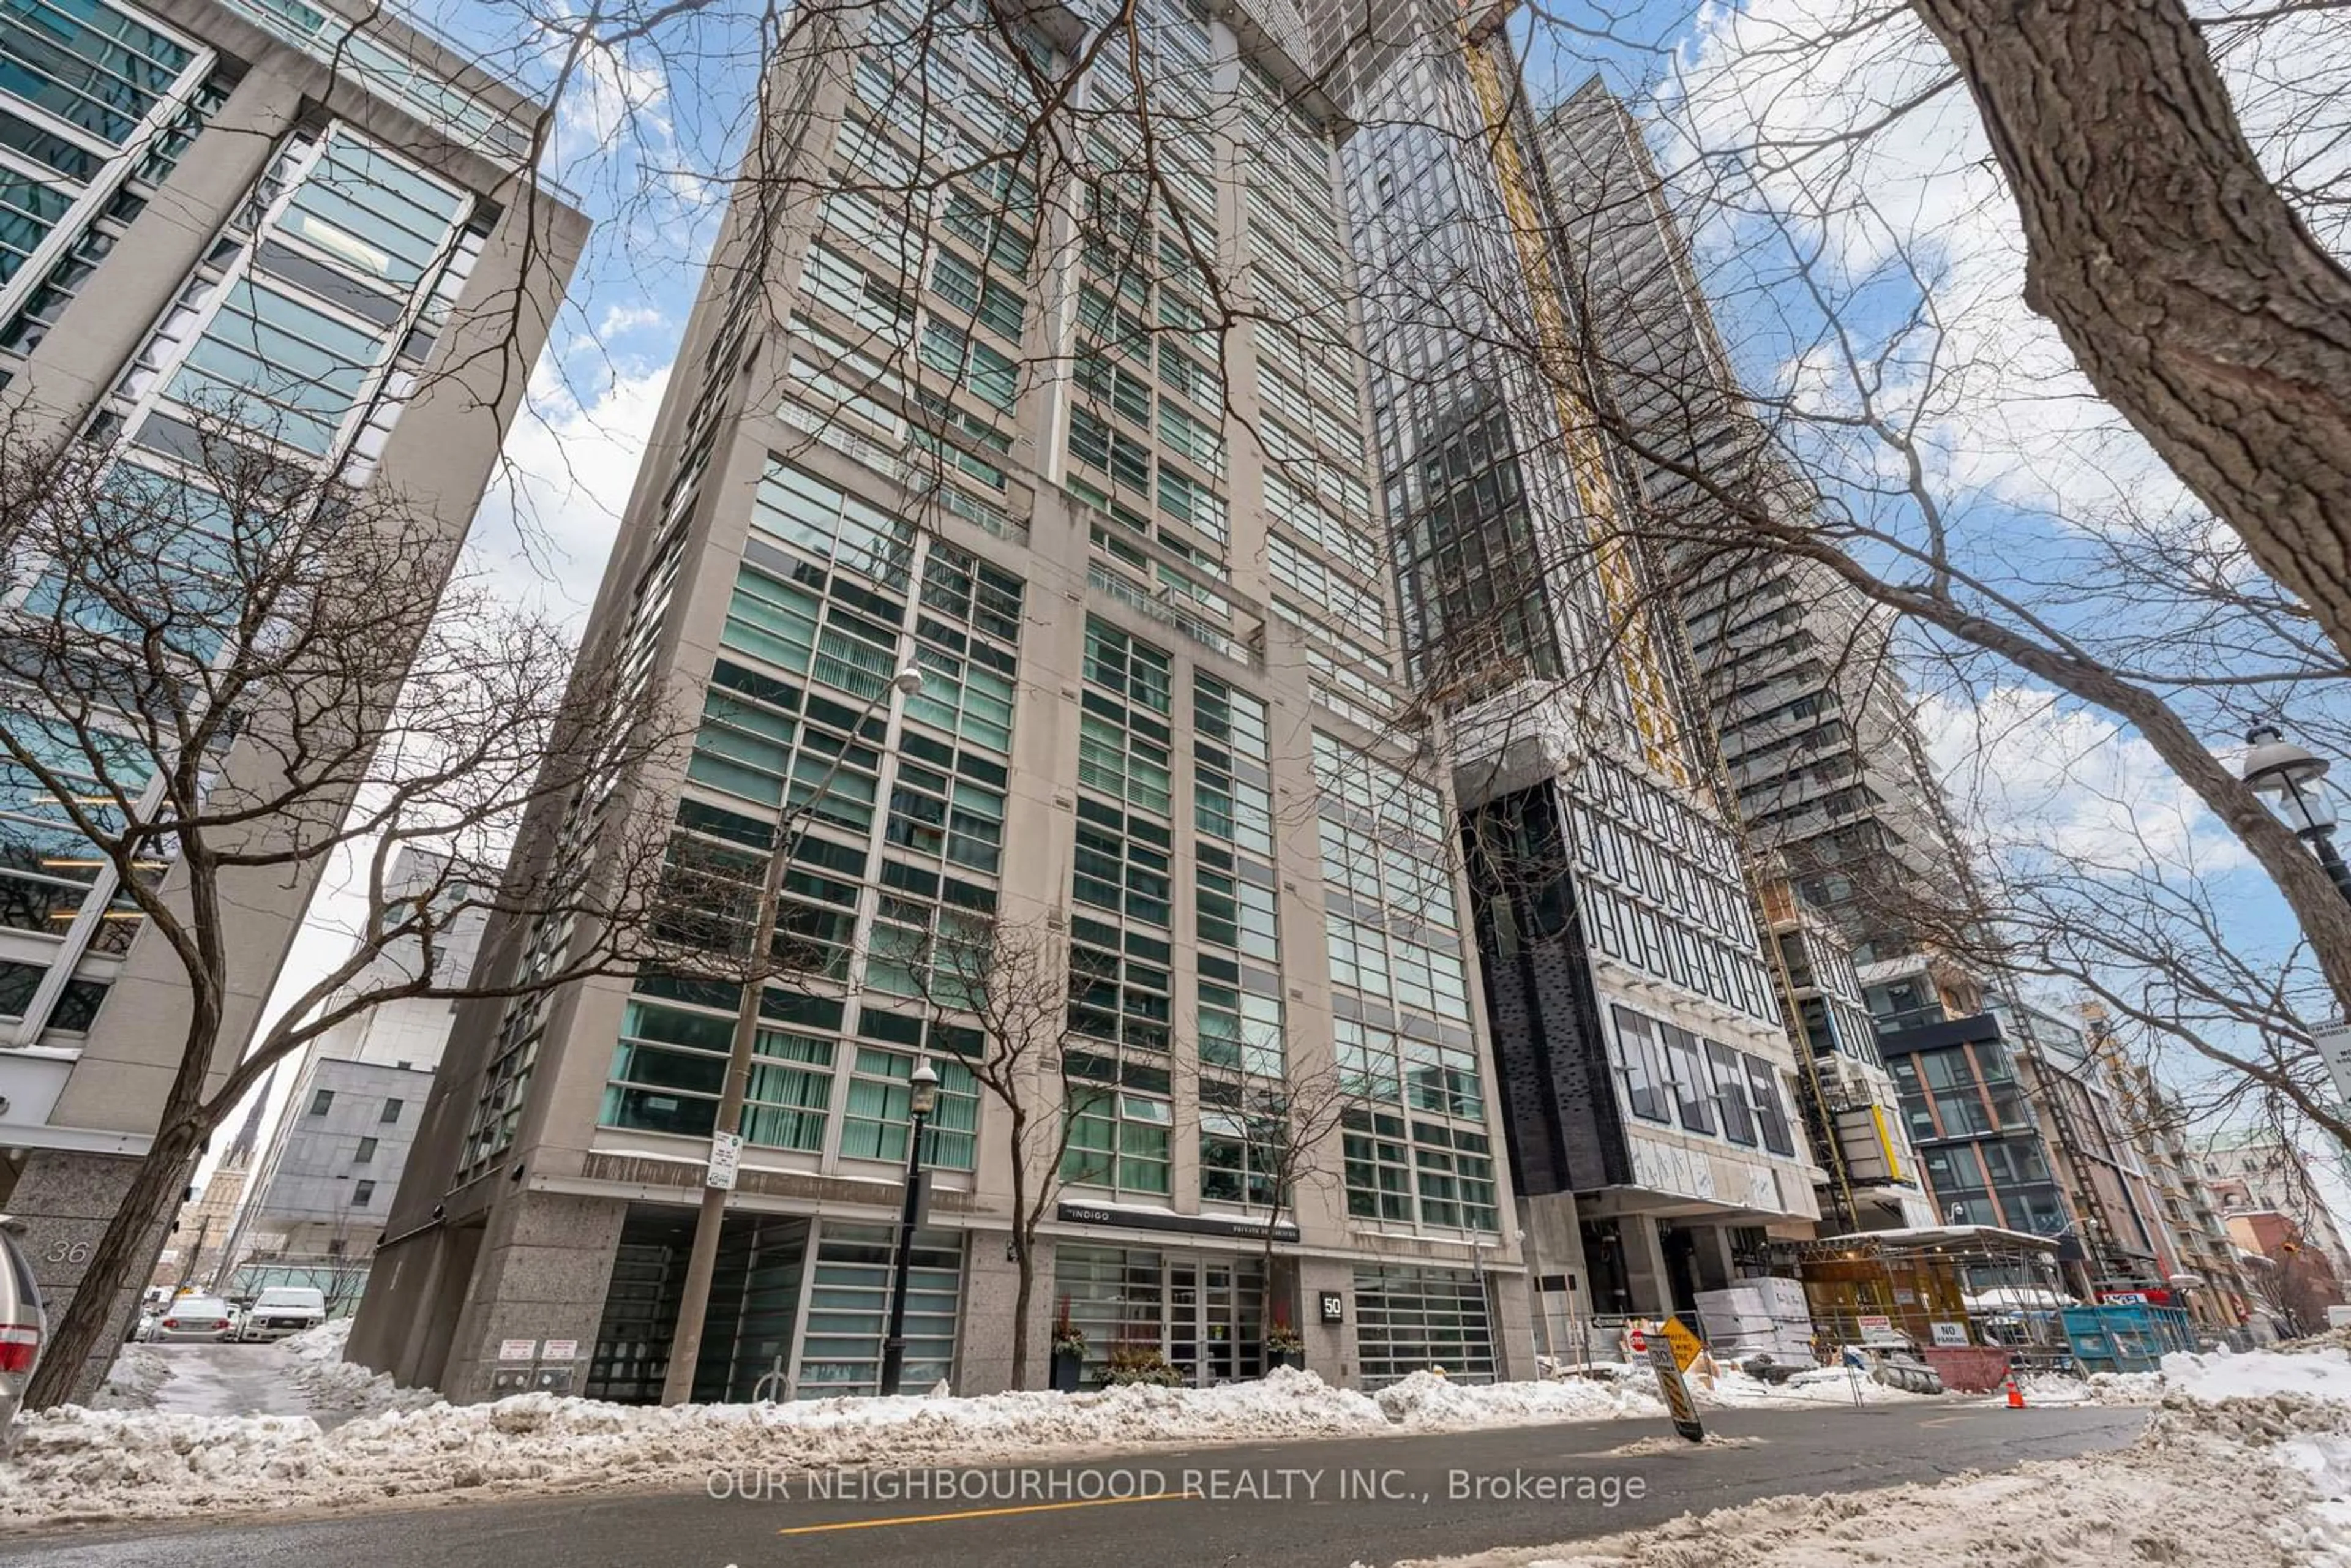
column 984, row 1321
column 66, row 1200
column 1329, row 1347
column 544, row 1269
column 1512, row 1305
column 1644, row 1265
column 1712, row 1259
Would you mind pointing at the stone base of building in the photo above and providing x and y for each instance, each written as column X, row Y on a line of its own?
column 581, row 1295
column 66, row 1198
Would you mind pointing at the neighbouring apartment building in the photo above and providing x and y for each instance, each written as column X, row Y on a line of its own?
column 323, row 1186
column 1651, row 1109
column 1872, row 1178
column 2214, row 1287
column 1799, row 673
column 2126, row 1249
column 310, row 216
column 2261, row 1171
column 1980, row 1144
column 954, row 410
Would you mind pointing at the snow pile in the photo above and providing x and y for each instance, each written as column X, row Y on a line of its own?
column 328, row 1382
column 75, row 1463
column 1822, row 1385
column 130, row 1384
column 2246, row 1465
column 1425, row 1402
column 2323, row 1375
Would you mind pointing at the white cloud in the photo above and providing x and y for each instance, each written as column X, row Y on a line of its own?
column 554, row 506
column 1797, row 97
column 621, row 318
column 2026, row 771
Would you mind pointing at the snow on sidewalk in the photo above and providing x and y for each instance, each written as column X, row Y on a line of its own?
column 210, row 1453
column 77, row 1464
column 2247, row 1464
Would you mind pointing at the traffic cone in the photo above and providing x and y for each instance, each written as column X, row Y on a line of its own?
column 2015, row 1395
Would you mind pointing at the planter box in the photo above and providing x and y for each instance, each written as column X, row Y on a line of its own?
column 1296, row 1358
column 1067, row 1369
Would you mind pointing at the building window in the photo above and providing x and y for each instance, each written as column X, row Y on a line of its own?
column 321, row 1101
column 1693, row 1084
column 1240, row 1158
column 1730, row 1092
column 392, row 1110
column 365, row 1153
column 1117, row 1140
column 1640, row 1066
column 1763, row 1084
column 363, row 1194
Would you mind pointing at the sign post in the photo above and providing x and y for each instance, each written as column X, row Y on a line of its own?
column 726, row 1160
column 2333, row 1044
column 1670, row 1383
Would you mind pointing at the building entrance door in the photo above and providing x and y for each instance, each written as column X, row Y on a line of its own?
column 1216, row 1320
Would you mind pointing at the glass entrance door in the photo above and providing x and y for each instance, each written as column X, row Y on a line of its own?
column 1216, row 1320
column 1183, row 1321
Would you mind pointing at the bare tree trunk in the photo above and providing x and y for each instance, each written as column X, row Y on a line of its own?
column 1024, row 1249
column 2196, row 302
column 1023, row 1295
column 78, row 1334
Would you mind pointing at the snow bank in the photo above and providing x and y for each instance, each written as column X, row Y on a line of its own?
column 1822, row 1386
column 2323, row 1375
column 2246, row 1465
column 1425, row 1402
column 77, row 1464
column 328, row 1382
column 130, row 1384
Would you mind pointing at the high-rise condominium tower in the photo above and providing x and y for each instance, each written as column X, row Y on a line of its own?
column 1647, row 1073
column 1084, row 444
column 300, row 227
column 1798, row 672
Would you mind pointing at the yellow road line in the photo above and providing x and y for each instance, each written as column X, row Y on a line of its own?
column 983, row 1512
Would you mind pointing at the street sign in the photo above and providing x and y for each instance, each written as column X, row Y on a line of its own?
column 1686, row 1345
column 517, row 1350
column 1637, row 1339
column 1947, row 1333
column 1875, row 1324
column 2333, row 1044
column 561, row 1350
column 1678, row 1402
column 725, row 1159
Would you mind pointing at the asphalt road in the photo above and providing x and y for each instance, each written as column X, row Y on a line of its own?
column 1312, row 1505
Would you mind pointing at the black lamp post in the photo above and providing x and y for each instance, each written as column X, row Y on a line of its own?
column 2292, row 779
column 922, row 1095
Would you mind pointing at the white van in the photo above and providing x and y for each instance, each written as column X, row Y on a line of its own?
column 282, row 1309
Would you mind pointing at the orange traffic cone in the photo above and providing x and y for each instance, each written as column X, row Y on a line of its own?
column 2015, row 1395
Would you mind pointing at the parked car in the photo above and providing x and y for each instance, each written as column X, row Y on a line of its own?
column 282, row 1309
column 192, row 1318
column 24, row 1324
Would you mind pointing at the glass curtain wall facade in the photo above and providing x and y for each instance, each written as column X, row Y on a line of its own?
column 1798, row 675
column 1636, row 1028
column 210, row 243
column 996, row 433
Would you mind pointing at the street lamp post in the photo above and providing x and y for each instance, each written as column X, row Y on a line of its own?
column 2292, row 779
column 922, row 1095
column 719, row 1180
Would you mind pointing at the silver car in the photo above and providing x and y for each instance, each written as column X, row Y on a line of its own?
column 193, row 1318
column 23, row 1325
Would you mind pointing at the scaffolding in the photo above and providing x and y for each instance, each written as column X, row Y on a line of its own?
column 1949, row 1285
